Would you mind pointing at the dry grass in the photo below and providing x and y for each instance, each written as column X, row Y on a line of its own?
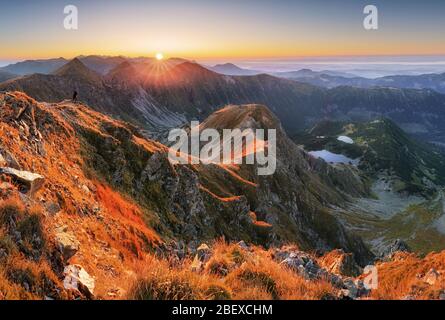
column 159, row 280
column 124, row 210
column 247, row 275
column 403, row 277
column 24, row 270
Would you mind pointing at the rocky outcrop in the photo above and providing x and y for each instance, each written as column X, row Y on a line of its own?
column 66, row 242
column 309, row 268
column 31, row 182
column 339, row 262
column 78, row 280
column 397, row 245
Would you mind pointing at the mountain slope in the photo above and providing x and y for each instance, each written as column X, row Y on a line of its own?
column 6, row 76
column 183, row 202
column 112, row 206
column 382, row 146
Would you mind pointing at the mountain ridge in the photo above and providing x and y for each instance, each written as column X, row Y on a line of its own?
column 143, row 93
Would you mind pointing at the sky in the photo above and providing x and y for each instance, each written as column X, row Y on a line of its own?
column 229, row 29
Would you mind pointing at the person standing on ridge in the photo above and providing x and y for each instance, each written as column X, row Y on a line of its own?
column 75, row 96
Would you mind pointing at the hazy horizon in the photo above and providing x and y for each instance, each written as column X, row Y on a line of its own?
column 365, row 66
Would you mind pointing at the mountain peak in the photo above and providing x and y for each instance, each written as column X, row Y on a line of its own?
column 75, row 69
column 189, row 71
column 232, row 69
column 253, row 116
column 227, row 65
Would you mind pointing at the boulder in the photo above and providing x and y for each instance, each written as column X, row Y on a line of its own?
column 77, row 279
column 66, row 242
column 53, row 208
column 32, row 181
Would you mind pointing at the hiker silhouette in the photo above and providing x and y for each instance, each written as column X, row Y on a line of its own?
column 75, row 96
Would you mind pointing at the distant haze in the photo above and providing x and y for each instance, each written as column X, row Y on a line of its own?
column 370, row 67
column 6, row 62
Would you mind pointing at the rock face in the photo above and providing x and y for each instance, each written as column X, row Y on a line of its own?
column 8, row 160
column 66, row 242
column 395, row 246
column 32, row 181
column 307, row 266
column 77, row 279
column 303, row 264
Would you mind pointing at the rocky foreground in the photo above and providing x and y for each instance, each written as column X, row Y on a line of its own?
column 90, row 209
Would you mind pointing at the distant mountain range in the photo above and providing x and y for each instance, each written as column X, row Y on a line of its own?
column 425, row 81
column 332, row 79
column 159, row 95
column 324, row 78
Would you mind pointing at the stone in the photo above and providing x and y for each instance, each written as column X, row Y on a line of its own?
column 9, row 160
column 303, row 264
column 32, row 181
column 66, row 243
column 351, row 288
column 77, row 279
column 203, row 252
column 53, row 208
column 243, row 245
column 431, row 277
column 85, row 189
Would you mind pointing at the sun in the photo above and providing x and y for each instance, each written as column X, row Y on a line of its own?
column 159, row 56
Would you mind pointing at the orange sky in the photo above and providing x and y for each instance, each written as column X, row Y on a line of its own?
column 221, row 29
